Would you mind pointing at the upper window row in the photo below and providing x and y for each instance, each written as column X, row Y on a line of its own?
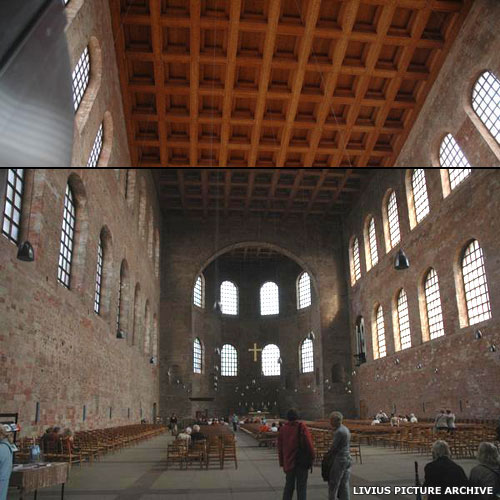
column 476, row 298
column 269, row 296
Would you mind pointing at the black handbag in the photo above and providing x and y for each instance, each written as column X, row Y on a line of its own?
column 304, row 458
column 326, row 465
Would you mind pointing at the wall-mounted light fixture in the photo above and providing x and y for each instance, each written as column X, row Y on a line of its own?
column 401, row 261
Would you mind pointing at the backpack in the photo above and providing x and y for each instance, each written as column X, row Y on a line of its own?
column 304, row 458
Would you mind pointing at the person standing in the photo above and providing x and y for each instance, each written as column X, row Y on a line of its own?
column 6, row 456
column 296, row 455
column 441, row 422
column 450, row 420
column 173, row 424
column 340, row 472
column 235, row 422
column 487, row 472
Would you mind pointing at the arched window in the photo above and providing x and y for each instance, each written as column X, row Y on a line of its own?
column 486, row 102
column 450, row 155
column 122, row 309
column 229, row 298
column 147, row 328
column 433, row 305
column 393, row 220
column 306, row 356
column 157, row 253
column 13, row 204
column 229, row 361
column 355, row 261
column 96, row 149
column 67, row 238
column 80, row 77
column 98, row 278
column 475, row 285
column 419, row 190
column 197, row 356
column 199, row 292
column 271, row 360
column 403, row 320
column 269, row 299
column 379, row 341
column 372, row 254
column 136, row 334
column 303, row 291
column 360, row 340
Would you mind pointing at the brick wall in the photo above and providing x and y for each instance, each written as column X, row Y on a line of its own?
column 457, row 370
column 54, row 349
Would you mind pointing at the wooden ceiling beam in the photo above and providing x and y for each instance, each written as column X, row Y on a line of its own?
column 194, row 78
column 312, row 14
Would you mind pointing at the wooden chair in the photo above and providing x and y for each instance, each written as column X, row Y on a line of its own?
column 356, row 452
column 176, row 453
column 214, row 451
column 229, row 450
column 197, row 453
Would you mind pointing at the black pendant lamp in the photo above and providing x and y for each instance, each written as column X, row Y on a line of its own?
column 401, row 261
column 25, row 252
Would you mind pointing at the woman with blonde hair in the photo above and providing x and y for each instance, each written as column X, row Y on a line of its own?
column 6, row 455
column 487, row 472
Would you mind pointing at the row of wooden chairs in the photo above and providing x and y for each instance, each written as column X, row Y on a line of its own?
column 216, row 448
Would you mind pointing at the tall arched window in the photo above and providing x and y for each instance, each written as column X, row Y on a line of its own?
column 229, row 361
column 98, row 278
column 96, row 149
column 269, row 299
column 306, row 356
column 67, row 238
column 419, row 191
column 393, row 220
column 271, row 360
column 475, row 285
column 486, row 102
column 450, row 155
column 147, row 328
column 403, row 320
column 13, row 204
column 433, row 305
column 303, row 291
column 199, row 292
column 229, row 298
column 136, row 334
column 372, row 254
column 80, row 77
column 123, row 301
column 355, row 261
column 197, row 356
column 380, row 348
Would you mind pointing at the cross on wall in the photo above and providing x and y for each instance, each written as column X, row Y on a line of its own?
column 255, row 350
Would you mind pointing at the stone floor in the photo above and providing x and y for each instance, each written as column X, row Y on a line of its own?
column 138, row 473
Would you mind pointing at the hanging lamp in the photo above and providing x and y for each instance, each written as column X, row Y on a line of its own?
column 401, row 261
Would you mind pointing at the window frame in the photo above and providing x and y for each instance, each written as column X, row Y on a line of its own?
column 403, row 320
column 475, row 105
column 419, row 213
column 236, row 300
column 433, row 303
column 355, row 261
column 99, row 278
column 5, row 202
column 306, row 359
column 393, row 225
column 201, row 278
column 303, row 304
column 84, row 61
column 231, row 358
column 73, row 214
column 198, row 363
column 273, row 296
column 268, row 362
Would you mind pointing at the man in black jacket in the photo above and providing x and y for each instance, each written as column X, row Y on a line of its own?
column 444, row 472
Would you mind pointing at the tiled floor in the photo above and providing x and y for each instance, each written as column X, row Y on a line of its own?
column 138, row 473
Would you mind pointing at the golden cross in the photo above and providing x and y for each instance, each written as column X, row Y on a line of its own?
column 255, row 350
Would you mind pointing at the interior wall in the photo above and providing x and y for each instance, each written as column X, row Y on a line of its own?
column 457, row 370
column 189, row 247
column 55, row 351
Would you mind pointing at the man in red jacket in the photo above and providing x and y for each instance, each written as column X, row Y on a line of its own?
column 291, row 436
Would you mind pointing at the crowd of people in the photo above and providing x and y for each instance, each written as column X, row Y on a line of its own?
column 395, row 420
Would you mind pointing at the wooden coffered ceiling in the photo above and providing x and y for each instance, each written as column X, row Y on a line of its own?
column 278, row 192
column 277, row 83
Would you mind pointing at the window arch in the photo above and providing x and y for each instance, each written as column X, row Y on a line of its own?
column 403, row 317
column 12, row 209
column 306, row 356
column 475, row 285
column 486, row 102
column 98, row 277
column 197, row 356
column 136, row 333
column 142, row 208
column 419, row 194
column 355, row 261
column 122, row 309
column 433, row 308
column 95, row 153
column 391, row 208
column 451, row 155
column 229, row 298
column 269, row 299
column 155, row 336
column 371, row 244
column 379, row 345
column 81, row 77
column 199, row 292
column 303, row 290
column 147, row 328
column 229, row 361
column 271, row 360
column 67, row 238
column 157, row 253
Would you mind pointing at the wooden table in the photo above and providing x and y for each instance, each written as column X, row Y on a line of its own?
column 30, row 478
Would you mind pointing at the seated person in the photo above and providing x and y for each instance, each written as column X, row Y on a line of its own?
column 375, row 421
column 413, row 419
column 196, row 435
column 185, row 435
column 394, row 420
column 274, row 427
column 264, row 428
column 382, row 417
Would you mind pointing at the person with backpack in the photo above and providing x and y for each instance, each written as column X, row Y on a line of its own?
column 336, row 465
column 487, row 473
column 296, row 455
